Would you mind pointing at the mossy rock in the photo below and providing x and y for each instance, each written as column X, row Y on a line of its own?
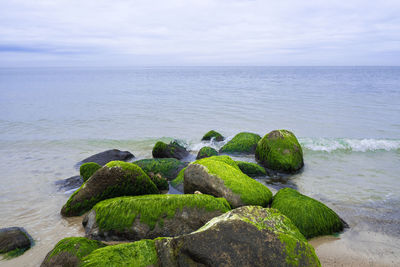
column 70, row 251
column 213, row 135
column 87, row 169
column 216, row 177
column 116, row 178
column 167, row 167
column 247, row 236
column 142, row 253
column 151, row 216
column 171, row 150
column 242, row 143
column 159, row 181
column 206, row 152
column 251, row 169
column 14, row 241
column 311, row 217
column 280, row 151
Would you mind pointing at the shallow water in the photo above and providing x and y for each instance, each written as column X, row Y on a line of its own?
column 347, row 120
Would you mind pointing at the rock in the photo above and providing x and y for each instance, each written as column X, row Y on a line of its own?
column 116, row 178
column 87, row 169
column 206, row 152
column 69, row 252
column 109, row 155
column 14, row 241
column 159, row 181
column 310, row 216
column 167, row 167
column 151, row 216
column 243, row 143
column 69, row 183
column 280, row 151
column 247, row 236
column 213, row 135
column 251, row 169
column 171, row 150
column 215, row 177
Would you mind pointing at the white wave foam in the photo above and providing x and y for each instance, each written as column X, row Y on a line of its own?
column 359, row 145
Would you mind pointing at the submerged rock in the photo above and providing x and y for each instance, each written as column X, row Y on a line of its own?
column 69, row 183
column 116, row 179
column 151, row 216
column 243, row 143
column 221, row 177
column 14, row 241
column 166, row 167
column 171, row 150
column 213, row 135
column 251, row 169
column 109, row 155
column 69, row 252
column 88, row 169
column 310, row 216
column 280, row 151
column 206, row 152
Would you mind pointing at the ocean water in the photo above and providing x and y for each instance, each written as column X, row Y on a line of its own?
column 347, row 120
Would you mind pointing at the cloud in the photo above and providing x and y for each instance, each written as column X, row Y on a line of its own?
column 202, row 32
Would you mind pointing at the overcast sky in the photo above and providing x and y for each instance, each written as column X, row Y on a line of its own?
column 201, row 32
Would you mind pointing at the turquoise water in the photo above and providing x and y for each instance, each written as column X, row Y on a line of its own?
column 346, row 118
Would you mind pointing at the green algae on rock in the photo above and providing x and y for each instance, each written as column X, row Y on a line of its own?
column 167, row 167
column 311, row 217
column 116, row 178
column 137, row 254
column 70, row 251
column 150, row 216
column 213, row 134
column 216, row 177
column 251, row 169
column 206, row 152
column 243, row 143
column 280, row 151
column 87, row 169
column 171, row 150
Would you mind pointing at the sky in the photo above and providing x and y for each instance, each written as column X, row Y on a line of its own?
column 199, row 33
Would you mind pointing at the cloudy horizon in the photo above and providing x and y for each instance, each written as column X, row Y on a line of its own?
column 197, row 33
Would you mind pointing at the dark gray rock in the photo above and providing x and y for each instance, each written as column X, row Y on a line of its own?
column 104, row 157
column 13, row 238
column 171, row 150
column 69, row 183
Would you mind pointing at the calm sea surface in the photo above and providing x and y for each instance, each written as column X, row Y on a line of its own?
column 346, row 118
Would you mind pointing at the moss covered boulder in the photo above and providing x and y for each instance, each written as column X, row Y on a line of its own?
column 310, row 216
column 166, row 167
column 70, row 251
column 14, row 241
column 151, row 216
column 242, row 143
column 221, row 177
column 206, row 152
column 213, row 135
column 251, row 169
column 87, row 169
column 171, row 150
column 247, row 236
column 280, row 151
column 116, row 178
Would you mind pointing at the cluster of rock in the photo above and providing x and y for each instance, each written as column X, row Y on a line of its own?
column 234, row 221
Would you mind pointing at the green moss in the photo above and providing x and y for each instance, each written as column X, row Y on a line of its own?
column 159, row 149
column 179, row 179
column 87, row 169
column 137, row 254
column 309, row 215
column 280, row 151
column 159, row 181
column 250, row 191
column 120, row 213
column 167, row 167
column 212, row 134
column 78, row 246
column 206, row 152
column 14, row 253
column 251, row 169
column 241, row 143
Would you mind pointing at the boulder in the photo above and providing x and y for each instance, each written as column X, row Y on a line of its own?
column 215, row 177
column 171, row 150
column 116, row 178
column 69, row 183
column 166, row 167
column 159, row 181
column 109, row 155
column 206, row 152
column 87, row 169
column 242, row 143
column 151, row 216
column 213, row 135
column 280, row 151
column 69, row 252
column 310, row 216
column 251, row 169
column 14, row 241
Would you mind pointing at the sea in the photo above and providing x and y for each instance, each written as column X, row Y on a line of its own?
column 347, row 120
